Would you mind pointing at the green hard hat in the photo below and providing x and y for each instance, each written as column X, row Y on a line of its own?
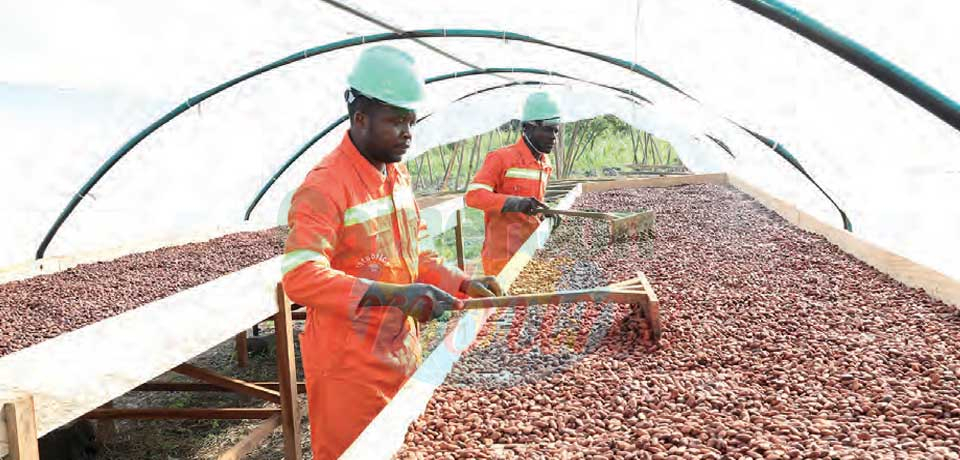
column 541, row 106
column 387, row 74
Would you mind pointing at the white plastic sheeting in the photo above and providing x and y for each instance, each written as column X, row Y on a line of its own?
column 79, row 79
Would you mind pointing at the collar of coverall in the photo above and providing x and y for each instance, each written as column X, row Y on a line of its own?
column 368, row 173
column 544, row 158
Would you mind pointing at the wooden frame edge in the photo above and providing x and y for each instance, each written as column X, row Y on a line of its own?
column 20, row 428
column 666, row 181
column 902, row 269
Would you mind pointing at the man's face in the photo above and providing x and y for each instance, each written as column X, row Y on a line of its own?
column 387, row 130
column 543, row 137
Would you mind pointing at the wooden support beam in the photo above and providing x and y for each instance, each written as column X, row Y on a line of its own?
column 225, row 413
column 287, row 375
column 241, row 348
column 459, row 234
column 106, row 429
column 654, row 182
column 252, row 440
column 651, row 309
column 228, row 383
column 902, row 269
column 192, row 386
column 21, row 428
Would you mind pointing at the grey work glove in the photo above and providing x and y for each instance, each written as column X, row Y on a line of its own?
column 486, row 286
column 524, row 204
column 421, row 301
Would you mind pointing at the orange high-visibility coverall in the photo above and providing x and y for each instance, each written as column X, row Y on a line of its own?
column 348, row 221
column 511, row 170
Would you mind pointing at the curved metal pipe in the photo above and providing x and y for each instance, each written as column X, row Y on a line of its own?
column 849, row 50
column 775, row 146
column 449, row 76
column 786, row 155
column 307, row 53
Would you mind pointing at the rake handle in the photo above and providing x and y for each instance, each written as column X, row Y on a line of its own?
column 582, row 295
column 587, row 214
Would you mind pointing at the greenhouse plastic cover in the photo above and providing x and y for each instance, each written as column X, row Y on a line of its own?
column 78, row 79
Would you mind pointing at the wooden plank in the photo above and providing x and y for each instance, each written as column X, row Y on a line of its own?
column 106, row 429
column 193, row 386
column 252, row 440
column 638, row 225
column 222, row 413
column 240, row 345
column 655, row 182
column 287, row 375
column 651, row 309
column 229, row 383
column 4, row 442
column 426, row 201
column 900, row 268
column 20, row 429
column 600, row 294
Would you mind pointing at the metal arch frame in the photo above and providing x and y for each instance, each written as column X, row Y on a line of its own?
column 786, row 155
column 448, row 76
column 529, row 70
column 778, row 148
column 895, row 77
column 315, row 51
column 885, row 71
column 723, row 146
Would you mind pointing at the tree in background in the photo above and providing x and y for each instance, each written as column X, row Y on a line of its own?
column 583, row 147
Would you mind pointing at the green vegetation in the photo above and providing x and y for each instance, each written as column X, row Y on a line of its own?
column 585, row 148
column 446, row 243
column 596, row 147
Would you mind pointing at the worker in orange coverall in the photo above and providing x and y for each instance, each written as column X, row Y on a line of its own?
column 510, row 185
column 355, row 258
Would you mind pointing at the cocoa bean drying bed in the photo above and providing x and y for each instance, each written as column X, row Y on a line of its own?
column 385, row 436
column 78, row 373
column 445, row 411
column 94, row 331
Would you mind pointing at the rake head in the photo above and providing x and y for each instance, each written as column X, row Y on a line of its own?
column 635, row 291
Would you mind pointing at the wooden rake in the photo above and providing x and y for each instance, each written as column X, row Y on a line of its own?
column 622, row 224
column 636, row 291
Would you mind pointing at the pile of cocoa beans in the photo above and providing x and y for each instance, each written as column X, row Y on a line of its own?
column 776, row 344
column 42, row 307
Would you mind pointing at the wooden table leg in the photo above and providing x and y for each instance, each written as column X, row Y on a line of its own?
column 21, row 428
column 287, row 376
column 106, row 429
column 241, row 346
column 459, row 234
